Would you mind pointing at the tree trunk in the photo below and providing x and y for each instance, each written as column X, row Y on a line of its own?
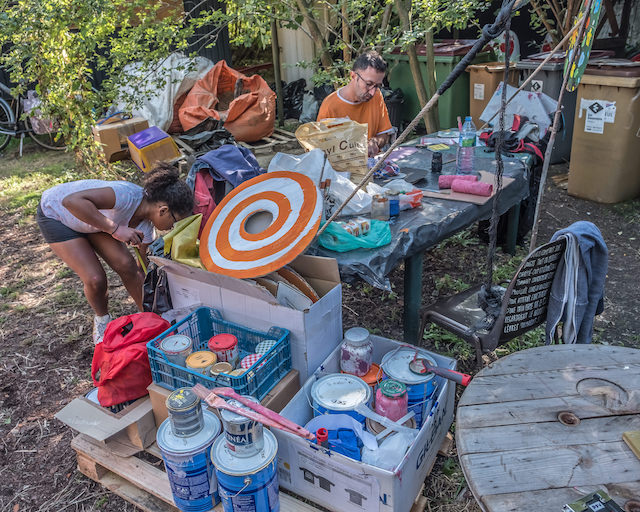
column 346, row 52
column 316, row 34
column 431, row 80
column 414, row 64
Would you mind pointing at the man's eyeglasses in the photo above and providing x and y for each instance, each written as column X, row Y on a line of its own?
column 369, row 85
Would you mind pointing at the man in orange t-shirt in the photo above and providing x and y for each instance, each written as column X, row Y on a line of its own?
column 361, row 100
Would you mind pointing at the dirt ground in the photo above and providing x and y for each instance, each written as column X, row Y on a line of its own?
column 46, row 347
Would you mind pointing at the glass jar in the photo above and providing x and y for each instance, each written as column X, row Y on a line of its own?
column 380, row 207
column 356, row 352
column 392, row 400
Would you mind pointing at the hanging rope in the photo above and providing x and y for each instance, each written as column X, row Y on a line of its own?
column 489, row 298
column 488, row 32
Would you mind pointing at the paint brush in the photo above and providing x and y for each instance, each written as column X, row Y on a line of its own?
column 292, row 426
column 220, row 403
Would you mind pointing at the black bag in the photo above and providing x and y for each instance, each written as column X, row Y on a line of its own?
column 156, row 295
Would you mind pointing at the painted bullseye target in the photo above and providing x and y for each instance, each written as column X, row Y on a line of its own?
column 261, row 225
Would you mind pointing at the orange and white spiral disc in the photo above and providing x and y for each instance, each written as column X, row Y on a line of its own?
column 261, row 225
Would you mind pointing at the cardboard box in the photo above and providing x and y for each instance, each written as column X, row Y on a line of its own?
column 151, row 146
column 357, row 487
column 315, row 332
column 275, row 400
column 113, row 136
column 125, row 433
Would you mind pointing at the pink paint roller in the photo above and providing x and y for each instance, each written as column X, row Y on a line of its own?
column 477, row 188
column 445, row 180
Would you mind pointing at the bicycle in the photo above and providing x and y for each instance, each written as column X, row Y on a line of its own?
column 11, row 124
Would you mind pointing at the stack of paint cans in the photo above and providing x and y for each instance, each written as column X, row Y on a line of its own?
column 245, row 463
column 185, row 439
column 420, row 387
column 340, row 393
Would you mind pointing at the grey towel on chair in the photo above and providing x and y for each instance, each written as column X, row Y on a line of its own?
column 577, row 292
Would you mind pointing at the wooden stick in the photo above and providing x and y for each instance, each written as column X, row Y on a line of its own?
column 554, row 129
column 535, row 71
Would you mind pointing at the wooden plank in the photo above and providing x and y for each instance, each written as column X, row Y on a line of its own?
column 546, row 434
column 139, row 497
column 132, row 469
column 548, row 384
column 446, row 446
column 420, row 502
column 554, row 499
column 548, row 468
column 524, row 411
column 633, row 441
column 561, row 357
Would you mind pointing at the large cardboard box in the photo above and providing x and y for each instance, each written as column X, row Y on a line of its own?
column 125, row 433
column 315, row 332
column 355, row 486
column 113, row 137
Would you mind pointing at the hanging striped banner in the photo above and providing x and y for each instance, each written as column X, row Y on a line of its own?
column 261, row 225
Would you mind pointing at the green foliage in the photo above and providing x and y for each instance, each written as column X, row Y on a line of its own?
column 58, row 44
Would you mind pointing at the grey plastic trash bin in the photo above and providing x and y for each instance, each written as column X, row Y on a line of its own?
column 549, row 81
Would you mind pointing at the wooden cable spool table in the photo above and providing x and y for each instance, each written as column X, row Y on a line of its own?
column 515, row 452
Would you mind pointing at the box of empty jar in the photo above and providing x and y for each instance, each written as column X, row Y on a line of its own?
column 360, row 463
column 205, row 349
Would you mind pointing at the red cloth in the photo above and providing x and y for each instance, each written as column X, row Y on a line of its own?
column 122, row 358
column 477, row 188
column 445, row 180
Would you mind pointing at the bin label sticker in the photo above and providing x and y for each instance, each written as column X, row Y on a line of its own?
column 595, row 114
column 315, row 475
column 610, row 113
column 478, row 91
column 537, row 85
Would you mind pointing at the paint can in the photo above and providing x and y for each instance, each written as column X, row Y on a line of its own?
column 340, row 393
column 247, row 484
column 373, row 377
column 185, row 439
column 201, row 361
column 376, row 428
column 244, row 437
column 265, row 345
column 216, row 369
column 392, row 400
column 248, row 361
column 225, row 347
column 420, row 388
column 177, row 347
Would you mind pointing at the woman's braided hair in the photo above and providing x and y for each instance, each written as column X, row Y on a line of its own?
column 163, row 184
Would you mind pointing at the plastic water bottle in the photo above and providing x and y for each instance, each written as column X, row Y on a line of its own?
column 466, row 146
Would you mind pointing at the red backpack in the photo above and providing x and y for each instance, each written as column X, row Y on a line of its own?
column 122, row 358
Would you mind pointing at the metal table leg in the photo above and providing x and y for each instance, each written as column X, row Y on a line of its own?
column 412, row 296
column 512, row 229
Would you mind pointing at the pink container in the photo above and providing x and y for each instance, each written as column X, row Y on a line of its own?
column 392, row 400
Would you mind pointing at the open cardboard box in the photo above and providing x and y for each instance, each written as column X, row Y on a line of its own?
column 315, row 331
column 127, row 432
column 113, row 136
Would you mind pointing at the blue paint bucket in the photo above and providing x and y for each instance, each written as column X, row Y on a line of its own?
column 247, row 484
column 187, row 459
column 420, row 388
column 340, row 393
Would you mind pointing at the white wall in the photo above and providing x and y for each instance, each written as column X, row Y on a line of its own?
column 295, row 46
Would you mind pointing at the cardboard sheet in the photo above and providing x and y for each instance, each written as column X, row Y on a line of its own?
column 485, row 177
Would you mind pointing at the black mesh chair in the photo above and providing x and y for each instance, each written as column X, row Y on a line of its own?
column 523, row 307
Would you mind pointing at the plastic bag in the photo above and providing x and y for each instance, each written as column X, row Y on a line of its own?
column 310, row 108
column 316, row 166
column 155, row 290
column 336, row 238
column 30, row 105
column 390, row 453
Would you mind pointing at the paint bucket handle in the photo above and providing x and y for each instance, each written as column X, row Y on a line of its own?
column 247, row 483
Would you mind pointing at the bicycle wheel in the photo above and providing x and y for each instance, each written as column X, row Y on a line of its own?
column 46, row 140
column 6, row 120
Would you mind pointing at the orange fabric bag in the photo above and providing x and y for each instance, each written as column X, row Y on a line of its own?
column 249, row 117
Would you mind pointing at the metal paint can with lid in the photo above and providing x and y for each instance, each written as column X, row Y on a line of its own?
column 201, row 361
column 225, row 347
column 185, row 439
column 176, row 348
column 420, row 388
column 247, row 484
column 340, row 393
column 244, row 437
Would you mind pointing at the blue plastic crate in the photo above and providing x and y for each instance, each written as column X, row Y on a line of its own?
column 200, row 326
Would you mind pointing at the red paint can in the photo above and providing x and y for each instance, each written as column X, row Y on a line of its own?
column 225, row 346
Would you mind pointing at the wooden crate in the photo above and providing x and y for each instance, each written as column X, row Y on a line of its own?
column 141, row 480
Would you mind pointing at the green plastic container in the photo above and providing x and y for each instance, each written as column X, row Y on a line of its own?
column 455, row 101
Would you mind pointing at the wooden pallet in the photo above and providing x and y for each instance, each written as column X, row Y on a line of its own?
column 279, row 137
column 143, row 481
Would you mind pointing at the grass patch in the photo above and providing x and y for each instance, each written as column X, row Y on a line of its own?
column 66, row 297
column 464, row 238
column 447, row 285
column 448, row 344
column 628, row 210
